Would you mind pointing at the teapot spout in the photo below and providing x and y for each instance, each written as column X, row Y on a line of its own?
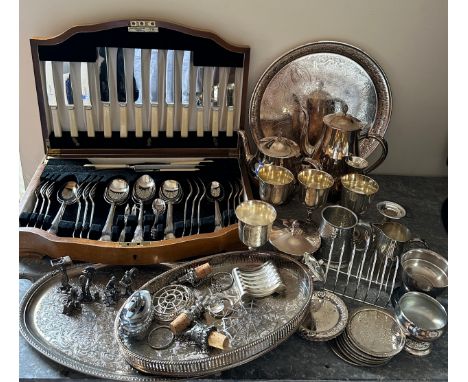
column 249, row 157
column 306, row 148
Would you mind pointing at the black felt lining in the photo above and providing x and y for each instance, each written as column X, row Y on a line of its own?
column 224, row 170
column 82, row 47
column 145, row 142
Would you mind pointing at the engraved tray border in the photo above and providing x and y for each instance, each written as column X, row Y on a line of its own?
column 230, row 359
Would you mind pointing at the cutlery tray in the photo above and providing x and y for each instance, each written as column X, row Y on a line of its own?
column 137, row 92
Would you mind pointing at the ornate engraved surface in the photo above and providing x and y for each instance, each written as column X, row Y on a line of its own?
column 253, row 328
column 330, row 319
column 341, row 70
column 85, row 341
column 375, row 332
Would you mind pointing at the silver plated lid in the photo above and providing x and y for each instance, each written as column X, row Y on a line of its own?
column 344, row 122
column 295, row 237
column 279, row 147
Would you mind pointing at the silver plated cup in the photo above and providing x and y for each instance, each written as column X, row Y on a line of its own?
column 275, row 184
column 355, row 164
column 357, row 192
column 337, row 231
column 315, row 186
column 255, row 221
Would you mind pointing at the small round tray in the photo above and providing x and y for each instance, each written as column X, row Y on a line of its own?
column 253, row 328
column 330, row 319
column 375, row 332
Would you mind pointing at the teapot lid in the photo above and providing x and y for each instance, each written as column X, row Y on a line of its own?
column 342, row 121
column 279, row 147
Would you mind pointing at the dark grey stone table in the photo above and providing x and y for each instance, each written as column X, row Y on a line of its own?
column 296, row 358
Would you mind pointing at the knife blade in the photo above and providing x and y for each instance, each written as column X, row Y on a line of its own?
column 184, row 124
column 122, row 92
column 215, row 104
column 104, row 90
column 137, row 93
column 143, row 167
column 230, row 91
column 68, row 98
column 170, row 94
column 154, row 93
column 52, row 100
column 199, row 102
column 86, row 97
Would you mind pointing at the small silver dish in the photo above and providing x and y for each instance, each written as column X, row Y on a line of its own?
column 328, row 320
column 423, row 320
column 391, row 210
column 425, row 271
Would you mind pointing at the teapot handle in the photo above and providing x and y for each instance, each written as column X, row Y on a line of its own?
column 382, row 142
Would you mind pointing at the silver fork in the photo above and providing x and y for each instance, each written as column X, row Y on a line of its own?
column 46, row 201
column 79, row 192
column 134, row 211
column 92, row 194
column 185, row 207
column 42, row 194
column 38, row 192
column 85, row 212
column 126, row 214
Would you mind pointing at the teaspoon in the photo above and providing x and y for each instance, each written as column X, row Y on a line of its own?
column 171, row 193
column 216, row 194
column 143, row 191
column 159, row 207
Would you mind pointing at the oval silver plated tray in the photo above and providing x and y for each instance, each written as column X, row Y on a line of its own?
column 83, row 342
column 253, row 328
column 339, row 70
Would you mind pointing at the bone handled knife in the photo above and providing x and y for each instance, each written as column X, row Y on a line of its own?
column 185, row 98
column 154, row 93
column 104, row 90
column 170, row 94
column 86, row 96
column 230, row 91
column 199, row 102
column 122, row 93
column 68, row 97
column 138, row 94
column 52, row 100
column 215, row 104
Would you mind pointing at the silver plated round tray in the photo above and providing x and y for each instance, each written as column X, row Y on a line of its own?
column 375, row 332
column 330, row 320
column 253, row 328
column 83, row 342
column 339, row 70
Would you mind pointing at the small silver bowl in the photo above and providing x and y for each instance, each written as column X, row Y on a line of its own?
column 425, row 271
column 422, row 318
column 390, row 210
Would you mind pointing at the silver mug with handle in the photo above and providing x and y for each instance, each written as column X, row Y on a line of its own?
column 337, row 231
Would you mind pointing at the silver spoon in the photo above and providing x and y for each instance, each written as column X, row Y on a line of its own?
column 126, row 215
column 143, row 191
column 171, row 193
column 216, row 194
column 116, row 193
column 66, row 196
column 159, row 207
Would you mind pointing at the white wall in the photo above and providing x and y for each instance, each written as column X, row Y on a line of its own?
column 407, row 38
